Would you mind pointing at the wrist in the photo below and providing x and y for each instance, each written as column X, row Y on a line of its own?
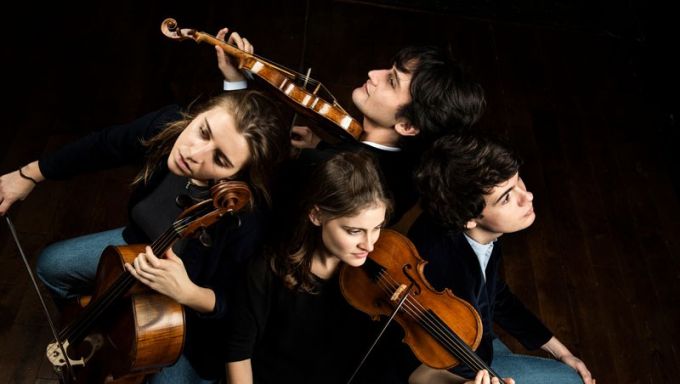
column 31, row 171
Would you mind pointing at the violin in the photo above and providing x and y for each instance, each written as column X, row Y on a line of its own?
column 305, row 95
column 441, row 329
column 125, row 330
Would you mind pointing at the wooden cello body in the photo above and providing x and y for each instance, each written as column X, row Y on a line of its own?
column 125, row 330
column 140, row 334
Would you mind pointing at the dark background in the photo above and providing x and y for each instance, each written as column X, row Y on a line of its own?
column 586, row 90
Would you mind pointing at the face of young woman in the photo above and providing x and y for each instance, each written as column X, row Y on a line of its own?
column 351, row 238
column 209, row 148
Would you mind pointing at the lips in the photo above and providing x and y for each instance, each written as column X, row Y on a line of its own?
column 360, row 255
column 183, row 164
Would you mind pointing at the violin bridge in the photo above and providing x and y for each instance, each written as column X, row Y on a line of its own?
column 398, row 292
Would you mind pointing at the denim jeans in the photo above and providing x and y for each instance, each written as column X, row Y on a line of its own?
column 531, row 369
column 68, row 268
column 179, row 373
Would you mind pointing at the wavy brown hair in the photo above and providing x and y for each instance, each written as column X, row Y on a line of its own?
column 342, row 186
column 456, row 173
column 256, row 118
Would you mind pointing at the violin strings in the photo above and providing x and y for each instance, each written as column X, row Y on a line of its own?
column 445, row 336
column 439, row 333
column 297, row 75
column 436, row 333
column 450, row 339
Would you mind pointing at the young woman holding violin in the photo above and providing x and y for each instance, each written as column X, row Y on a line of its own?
column 290, row 323
column 235, row 136
column 471, row 195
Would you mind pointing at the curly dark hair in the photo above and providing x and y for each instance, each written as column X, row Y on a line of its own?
column 341, row 186
column 444, row 100
column 456, row 173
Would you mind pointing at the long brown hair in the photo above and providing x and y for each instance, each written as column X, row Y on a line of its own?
column 256, row 118
column 342, row 186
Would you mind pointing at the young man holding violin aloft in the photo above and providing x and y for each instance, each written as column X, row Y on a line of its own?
column 471, row 195
column 424, row 94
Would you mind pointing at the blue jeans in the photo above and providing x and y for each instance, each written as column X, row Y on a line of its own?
column 68, row 268
column 179, row 373
column 531, row 369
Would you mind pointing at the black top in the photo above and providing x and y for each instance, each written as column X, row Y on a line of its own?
column 214, row 267
column 296, row 337
column 453, row 264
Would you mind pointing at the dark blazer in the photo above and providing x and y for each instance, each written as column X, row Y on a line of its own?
column 453, row 264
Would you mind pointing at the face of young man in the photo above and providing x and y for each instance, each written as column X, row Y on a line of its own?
column 379, row 99
column 508, row 209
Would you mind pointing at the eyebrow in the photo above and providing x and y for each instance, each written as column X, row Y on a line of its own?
column 217, row 151
column 503, row 195
column 396, row 76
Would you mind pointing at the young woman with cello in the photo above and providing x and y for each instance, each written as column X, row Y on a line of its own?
column 235, row 136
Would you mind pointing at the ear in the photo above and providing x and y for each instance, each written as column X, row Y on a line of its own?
column 470, row 224
column 314, row 216
column 405, row 128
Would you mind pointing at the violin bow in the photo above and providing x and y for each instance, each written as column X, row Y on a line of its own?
column 382, row 331
column 40, row 296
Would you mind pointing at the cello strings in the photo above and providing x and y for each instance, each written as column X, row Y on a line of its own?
column 119, row 287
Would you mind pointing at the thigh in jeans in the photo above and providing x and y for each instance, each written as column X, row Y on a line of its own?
column 68, row 268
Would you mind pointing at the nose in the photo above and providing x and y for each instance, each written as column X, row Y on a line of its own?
column 527, row 197
column 198, row 150
column 368, row 241
column 375, row 75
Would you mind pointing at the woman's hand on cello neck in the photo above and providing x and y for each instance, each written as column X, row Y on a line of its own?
column 169, row 277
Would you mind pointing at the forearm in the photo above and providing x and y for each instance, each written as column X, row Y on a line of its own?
column 556, row 348
column 240, row 372
column 199, row 299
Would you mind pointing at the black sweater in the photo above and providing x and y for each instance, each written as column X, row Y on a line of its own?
column 215, row 267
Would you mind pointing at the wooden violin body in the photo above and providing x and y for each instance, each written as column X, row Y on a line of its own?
column 441, row 329
column 306, row 96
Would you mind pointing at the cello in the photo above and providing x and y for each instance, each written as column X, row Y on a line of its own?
column 441, row 329
column 126, row 330
column 306, row 96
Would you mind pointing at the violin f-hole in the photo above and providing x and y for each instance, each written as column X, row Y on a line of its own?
column 406, row 268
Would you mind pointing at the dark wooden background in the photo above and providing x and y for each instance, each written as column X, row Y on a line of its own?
column 585, row 89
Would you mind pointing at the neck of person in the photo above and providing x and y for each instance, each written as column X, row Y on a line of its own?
column 375, row 133
column 200, row 183
column 482, row 235
column 324, row 265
